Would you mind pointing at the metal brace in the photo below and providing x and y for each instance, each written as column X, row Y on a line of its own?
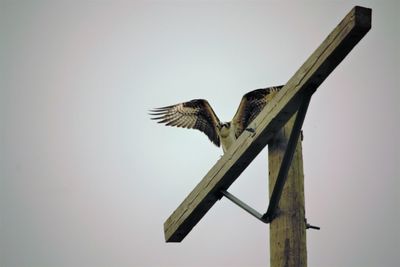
column 243, row 205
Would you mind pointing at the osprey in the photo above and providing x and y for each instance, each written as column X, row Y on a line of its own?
column 198, row 114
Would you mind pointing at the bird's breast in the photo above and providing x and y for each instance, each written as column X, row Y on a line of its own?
column 227, row 138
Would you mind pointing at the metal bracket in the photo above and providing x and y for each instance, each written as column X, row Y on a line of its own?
column 309, row 226
column 255, row 213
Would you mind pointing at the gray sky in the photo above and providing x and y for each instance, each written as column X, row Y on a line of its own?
column 86, row 179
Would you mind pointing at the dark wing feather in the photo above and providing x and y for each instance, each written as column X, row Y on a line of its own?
column 251, row 105
column 195, row 114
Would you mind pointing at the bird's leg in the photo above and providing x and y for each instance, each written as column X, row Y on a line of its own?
column 251, row 130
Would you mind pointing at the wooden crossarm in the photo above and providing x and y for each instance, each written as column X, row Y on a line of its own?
column 305, row 81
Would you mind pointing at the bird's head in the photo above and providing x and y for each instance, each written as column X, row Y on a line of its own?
column 225, row 125
column 224, row 128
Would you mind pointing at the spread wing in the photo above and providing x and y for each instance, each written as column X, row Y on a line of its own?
column 251, row 105
column 195, row 114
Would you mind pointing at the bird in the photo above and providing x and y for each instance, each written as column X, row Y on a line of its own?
column 198, row 114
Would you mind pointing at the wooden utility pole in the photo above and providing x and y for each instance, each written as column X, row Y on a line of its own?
column 273, row 126
column 288, row 229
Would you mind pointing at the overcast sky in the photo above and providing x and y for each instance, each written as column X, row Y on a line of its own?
column 86, row 179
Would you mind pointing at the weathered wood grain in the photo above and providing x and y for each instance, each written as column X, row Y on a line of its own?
column 274, row 116
column 287, row 235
